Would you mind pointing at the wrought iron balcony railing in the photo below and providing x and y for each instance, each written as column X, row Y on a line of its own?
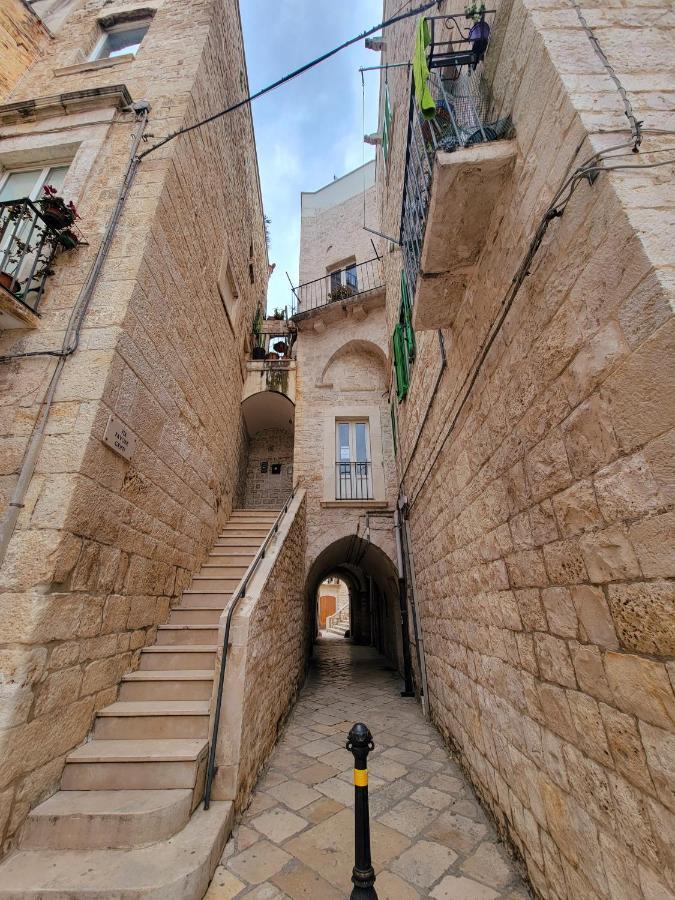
column 353, row 481
column 342, row 284
column 272, row 347
column 28, row 245
column 462, row 119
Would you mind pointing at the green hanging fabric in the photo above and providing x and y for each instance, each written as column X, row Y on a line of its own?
column 421, row 70
column 406, row 318
column 400, row 364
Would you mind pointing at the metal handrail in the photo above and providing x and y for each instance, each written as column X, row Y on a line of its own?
column 236, row 597
column 323, row 291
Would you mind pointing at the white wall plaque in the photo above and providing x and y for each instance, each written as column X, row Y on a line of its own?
column 119, row 438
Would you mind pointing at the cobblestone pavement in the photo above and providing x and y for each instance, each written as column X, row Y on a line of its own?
column 429, row 835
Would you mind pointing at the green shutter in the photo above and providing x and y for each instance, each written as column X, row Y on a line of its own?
column 393, row 425
column 400, row 363
column 406, row 318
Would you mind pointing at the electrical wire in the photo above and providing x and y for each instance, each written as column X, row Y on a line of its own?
column 627, row 105
column 556, row 208
column 290, row 76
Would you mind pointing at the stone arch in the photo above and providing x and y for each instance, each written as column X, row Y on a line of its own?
column 359, row 365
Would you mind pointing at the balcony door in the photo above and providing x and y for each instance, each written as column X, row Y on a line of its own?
column 22, row 184
column 353, row 468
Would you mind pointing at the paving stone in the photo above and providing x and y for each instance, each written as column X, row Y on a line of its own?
column 454, row 888
column 328, row 848
column 448, row 784
column 278, row 824
column 338, row 790
column 294, row 794
column 314, row 774
column 387, row 769
column 423, row 863
column 259, row 862
column 431, row 798
column 266, row 891
column 489, row 865
column 302, row 883
column 458, row 832
column 321, row 809
column 407, row 757
column 408, row 817
column 339, row 759
column 224, row 885
column 260, row 802
column 245, row 837
column 391, row 887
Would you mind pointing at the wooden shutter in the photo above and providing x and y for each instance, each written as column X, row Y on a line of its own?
column 406, row 319
column 400, row 363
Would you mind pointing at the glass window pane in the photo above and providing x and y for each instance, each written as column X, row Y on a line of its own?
column 19, row 184
column 361, row 442
column 56, row 176
column 335, row 280
column 350, row 273
column 117, row 43
column 343, row 441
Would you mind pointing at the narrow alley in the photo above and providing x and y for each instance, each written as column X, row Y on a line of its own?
column 430, row 837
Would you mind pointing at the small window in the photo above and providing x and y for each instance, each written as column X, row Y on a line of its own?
column 120, row 40
column 227, row 288
column 353, row 467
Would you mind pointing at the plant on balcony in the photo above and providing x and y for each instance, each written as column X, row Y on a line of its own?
column 278, row 314
column 343, row 292
column 55, row 211
column 474, row 11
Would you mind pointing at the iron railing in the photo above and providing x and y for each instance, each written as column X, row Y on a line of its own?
column 342, row 284
column 462, row 118
column 28, row 245
column 272, row 347
column 353, row 481
column 236, row 597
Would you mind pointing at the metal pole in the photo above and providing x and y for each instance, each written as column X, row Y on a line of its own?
column 360, row 743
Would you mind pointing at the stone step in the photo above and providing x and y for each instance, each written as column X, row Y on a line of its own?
column 135, row 765
column 239, row 544
column 135, row 720
column 97, row 820
column 222, row 570
column 188, row 684
column 176, row 869
column 182, row 635
column 204, row 582
column 192, row 599
column 225, row 557
column 196, row 615
column 192, row 657
column 244, row 530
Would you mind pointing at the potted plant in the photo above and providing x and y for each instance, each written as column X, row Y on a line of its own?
column 278, row 314
column 343, row 292
column 68, row 239
column 55, row 211
column 7, row 281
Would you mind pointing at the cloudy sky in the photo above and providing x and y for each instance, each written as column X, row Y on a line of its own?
column 310, row 129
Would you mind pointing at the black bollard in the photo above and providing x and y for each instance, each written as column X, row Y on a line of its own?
column 360, row 743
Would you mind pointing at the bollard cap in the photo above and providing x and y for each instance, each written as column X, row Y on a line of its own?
column 360, row 737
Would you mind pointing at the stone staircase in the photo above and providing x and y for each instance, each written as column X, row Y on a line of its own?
column 124, row 822
column 338, row 623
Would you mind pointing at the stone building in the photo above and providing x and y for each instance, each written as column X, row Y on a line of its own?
column 534, row 422
column 123, row 457
column 344, row 455
column 22, row 37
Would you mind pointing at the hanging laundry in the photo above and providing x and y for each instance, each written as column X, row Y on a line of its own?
column 421, row 70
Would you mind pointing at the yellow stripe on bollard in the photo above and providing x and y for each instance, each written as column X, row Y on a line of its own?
column 361, row 777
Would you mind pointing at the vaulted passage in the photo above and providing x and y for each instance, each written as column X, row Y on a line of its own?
column 430, row 837
column 372, row 581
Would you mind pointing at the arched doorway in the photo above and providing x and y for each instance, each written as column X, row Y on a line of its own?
column 372, row 582
column 269, row 418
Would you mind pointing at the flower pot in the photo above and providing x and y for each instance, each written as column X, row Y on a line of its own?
column 7, row 281
column 258, row 353
column 57, row 216
column 68, row 240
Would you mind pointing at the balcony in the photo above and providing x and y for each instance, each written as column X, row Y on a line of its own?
column 30, row 238
column 456, row 166
column 353, row 481
column 339, row 286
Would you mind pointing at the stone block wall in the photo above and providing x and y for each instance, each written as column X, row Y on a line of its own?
column 22, row 38
column 104, row 546
column 541, row 498
column 266, row 490
column 268, row 657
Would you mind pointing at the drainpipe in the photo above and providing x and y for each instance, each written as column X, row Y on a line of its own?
column 408, row 690
column 30, row 458
column 410, row 567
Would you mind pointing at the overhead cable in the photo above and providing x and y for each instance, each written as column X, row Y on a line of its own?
column 291, row 75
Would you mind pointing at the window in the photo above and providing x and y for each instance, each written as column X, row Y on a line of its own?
column 403, row 342
column 344, row 282
column 386, row 126
column 353, row 468
column 19, row 183
column 119, row 40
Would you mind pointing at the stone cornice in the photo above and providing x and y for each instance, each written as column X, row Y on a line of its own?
column 68, row 102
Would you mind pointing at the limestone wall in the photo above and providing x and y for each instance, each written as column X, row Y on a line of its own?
column 267, row 490
column 332, row 232
column 104, row 546
column 270, row 647
column 541, row 499
column 22, row 38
